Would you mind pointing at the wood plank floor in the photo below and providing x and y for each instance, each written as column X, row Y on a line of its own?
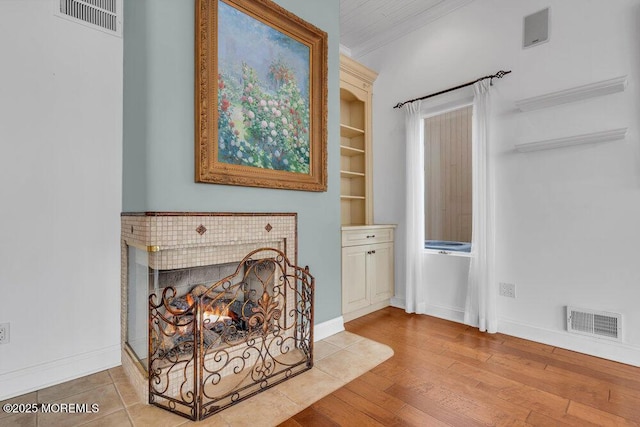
column 445, row 373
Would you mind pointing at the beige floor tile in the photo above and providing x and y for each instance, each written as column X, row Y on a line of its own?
column 19, row 420
column 118, row 374
column 144, row 415
column 322, row 349
column 267, row 409
column 371, row 350
column 70, row 388
column 128, row 394
column 106, row 397
column 213, row 421
column 116, row 419
column 25, row 398
column 343, row 339
column 309, row 387
column 344, row 365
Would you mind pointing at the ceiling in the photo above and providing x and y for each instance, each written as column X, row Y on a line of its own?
column 366, row 25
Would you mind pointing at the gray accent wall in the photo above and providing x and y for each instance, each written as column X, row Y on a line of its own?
column 158, row 134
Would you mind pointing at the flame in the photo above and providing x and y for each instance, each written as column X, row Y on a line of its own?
column 190, row 299
column 218, row 311
column 216, row 314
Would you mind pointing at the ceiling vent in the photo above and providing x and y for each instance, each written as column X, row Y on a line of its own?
column 594, row 323
column 104, row 15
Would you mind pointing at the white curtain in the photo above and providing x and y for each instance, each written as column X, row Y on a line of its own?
column 415, row 301
column 480, row 308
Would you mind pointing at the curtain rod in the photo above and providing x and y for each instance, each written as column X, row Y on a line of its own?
column 500, row 74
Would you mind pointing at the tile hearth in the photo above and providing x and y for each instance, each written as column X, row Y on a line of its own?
column 339, row 359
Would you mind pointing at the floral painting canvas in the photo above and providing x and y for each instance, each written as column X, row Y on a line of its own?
column 260, row 96
column 263, row 95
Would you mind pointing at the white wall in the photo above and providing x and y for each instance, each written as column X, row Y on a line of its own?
column 60, row 197
column 567, row 229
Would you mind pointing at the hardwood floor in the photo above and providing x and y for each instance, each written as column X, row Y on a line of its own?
column 445, row 373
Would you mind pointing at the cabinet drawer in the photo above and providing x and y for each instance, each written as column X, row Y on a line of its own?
column 364, row 236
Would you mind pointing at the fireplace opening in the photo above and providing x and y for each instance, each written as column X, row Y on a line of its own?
column 188, row 282
column 227, row 308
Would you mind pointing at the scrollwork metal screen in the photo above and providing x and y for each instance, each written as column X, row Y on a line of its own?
column 220, row 344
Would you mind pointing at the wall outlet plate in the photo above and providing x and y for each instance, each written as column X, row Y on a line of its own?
column 4, row 333
column 508, row 290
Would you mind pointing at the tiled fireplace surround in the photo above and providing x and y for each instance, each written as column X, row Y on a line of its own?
column 181, row 240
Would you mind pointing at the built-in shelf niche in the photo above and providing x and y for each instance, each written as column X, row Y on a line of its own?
column 589, row 138
column 578, row 93
column 355, row 142
column 352, row 159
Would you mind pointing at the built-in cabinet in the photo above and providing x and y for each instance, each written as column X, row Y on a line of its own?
column 367, row 269
column 367, row 248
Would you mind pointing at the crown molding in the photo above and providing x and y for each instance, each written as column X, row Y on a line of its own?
column 577, row 93
column 589, row 138
column 356, row 69
column 345, row 50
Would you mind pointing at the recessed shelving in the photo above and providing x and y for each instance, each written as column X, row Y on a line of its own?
column 350, row 151
column 351, row 174
column 356, row 82
column 350, row 131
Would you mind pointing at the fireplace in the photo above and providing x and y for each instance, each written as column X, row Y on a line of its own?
column 215, row 308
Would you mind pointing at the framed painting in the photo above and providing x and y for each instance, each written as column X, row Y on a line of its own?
column 260, row 96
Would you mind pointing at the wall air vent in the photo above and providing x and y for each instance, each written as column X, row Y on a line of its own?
column 104, row 15
column 594, row 323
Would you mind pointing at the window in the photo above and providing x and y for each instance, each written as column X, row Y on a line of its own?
column 448, row 180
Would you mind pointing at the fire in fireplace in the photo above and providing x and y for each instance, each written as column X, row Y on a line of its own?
column 216, row 345
column 228, row 309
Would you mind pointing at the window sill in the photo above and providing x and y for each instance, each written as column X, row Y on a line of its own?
column 448, row 253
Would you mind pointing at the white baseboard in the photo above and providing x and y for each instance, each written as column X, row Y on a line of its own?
column 598, row 347
column 444, row 312
column 328, row 328
column 26, row 380
column 348, row 317
column 398, row 303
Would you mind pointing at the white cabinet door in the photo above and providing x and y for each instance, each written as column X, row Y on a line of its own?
column 355, row 293
column 380, row 271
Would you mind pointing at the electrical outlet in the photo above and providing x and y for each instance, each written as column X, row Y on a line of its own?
column 508, row 290
column 4, row 333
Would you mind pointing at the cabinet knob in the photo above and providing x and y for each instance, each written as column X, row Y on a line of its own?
column 370, row 236
column 373, row 252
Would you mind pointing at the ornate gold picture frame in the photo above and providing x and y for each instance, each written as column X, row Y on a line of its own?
column 260, row 97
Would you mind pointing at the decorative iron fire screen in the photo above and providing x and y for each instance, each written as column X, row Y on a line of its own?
column 215, row 346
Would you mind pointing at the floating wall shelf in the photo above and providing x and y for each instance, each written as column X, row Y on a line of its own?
column 589, row 138
column 578, row 93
